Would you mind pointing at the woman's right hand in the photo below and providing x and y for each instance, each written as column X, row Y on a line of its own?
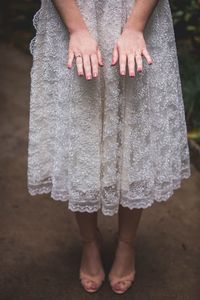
column 82, row 43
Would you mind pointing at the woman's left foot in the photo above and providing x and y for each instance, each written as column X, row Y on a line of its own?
column 123, row 271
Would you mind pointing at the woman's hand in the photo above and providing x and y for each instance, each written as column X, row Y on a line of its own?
column 82, row 43
column 129, row 48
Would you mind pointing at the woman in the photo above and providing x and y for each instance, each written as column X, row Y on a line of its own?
column 112, row 138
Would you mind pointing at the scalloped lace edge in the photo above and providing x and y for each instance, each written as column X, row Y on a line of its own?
column 35, row 21
column 95, row 207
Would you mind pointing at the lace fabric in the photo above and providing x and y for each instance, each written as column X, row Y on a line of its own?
column 112, row 140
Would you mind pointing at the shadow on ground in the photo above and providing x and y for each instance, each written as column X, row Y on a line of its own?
column 39, row 239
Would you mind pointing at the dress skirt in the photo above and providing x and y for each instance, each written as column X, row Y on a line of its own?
column 114, row 139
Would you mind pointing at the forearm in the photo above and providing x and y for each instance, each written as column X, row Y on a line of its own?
column 140, row 14
column 70, row 14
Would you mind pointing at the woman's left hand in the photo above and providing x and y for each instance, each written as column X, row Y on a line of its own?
column 129, row 48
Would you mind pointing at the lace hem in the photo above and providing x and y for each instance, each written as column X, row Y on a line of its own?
column 96, row 205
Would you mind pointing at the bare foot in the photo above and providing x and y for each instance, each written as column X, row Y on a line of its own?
column 91, row 268
column 123, row 271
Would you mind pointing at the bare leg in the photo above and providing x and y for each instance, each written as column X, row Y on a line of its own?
column 87, row 223
column 128, row 223
column 91, row 269
column 124, row 262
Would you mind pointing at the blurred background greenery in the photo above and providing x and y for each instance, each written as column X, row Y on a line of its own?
column 16, row 28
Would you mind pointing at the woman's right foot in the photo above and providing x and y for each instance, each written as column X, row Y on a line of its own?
column 91, row 271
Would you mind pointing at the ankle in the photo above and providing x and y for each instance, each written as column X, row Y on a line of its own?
column 126, row 242
column 91, row 245
column 88, row 241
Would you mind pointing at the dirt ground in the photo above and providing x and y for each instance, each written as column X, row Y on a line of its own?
column 39, row 239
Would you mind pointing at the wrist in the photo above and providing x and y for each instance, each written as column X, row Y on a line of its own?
column 133, row 29
column 75, row 27
column 134, row 26
column 79, row 31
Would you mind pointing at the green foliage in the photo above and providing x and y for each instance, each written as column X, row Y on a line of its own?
column 189, row 68
column 186, row 16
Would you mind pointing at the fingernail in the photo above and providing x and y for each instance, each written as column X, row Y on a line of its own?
column 132, row 74
column 69, row 66
column 122, row 73
column 139, row 70
column 95, row 74
column 88, row 77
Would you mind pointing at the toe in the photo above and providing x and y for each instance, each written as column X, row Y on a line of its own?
column 122, row 286
column 89, row 284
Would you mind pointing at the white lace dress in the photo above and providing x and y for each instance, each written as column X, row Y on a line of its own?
column 111, row 140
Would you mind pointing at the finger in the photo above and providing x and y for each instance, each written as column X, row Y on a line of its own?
column 122, row 63
column 147, row 56
column 87, row 66
column 131, row 64
column 94, row 63
column 138, row 59
column 70, row 58
column 100, row 60
column 79, row 64
column 115, row 55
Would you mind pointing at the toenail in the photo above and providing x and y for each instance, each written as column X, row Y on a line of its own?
column 92, row 285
